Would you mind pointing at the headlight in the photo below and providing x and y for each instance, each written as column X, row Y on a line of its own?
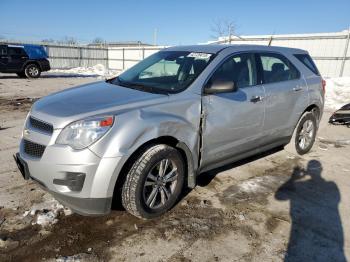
column 83, row 133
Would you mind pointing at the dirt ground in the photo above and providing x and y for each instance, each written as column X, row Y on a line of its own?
column 272, row 207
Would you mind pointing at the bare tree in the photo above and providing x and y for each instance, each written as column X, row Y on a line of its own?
column 68, row 40
column 48, row 40
column 98, row 40
column 222, row 28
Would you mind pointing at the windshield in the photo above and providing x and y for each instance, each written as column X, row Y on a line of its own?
column 165, row 71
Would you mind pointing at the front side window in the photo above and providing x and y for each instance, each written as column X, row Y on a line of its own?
column 165, row 71
column 240, row 69
column 277, row 68
column 3, row 50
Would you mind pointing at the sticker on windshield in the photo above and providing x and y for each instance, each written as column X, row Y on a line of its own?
column 199, row 55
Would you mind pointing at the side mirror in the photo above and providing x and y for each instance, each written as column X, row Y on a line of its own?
column 220, row 86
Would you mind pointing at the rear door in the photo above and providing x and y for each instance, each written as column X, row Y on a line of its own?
column 285, row 96
column 3, row 57
column 17, row 58
column 233, row 121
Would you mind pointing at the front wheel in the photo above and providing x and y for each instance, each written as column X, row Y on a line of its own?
column 304, row 134
column 32, row 71
column 154, row 182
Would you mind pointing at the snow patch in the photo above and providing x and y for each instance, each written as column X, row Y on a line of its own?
column 252, row 185
column 77, row 258
column 337, row 92
column 46, row 213
column 259, row 185
column 93, row 71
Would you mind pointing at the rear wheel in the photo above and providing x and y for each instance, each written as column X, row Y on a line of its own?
column 154, row 182
column 32, row 71
column 304, row 134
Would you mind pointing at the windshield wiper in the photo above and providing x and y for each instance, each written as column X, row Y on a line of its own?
column 138, row 86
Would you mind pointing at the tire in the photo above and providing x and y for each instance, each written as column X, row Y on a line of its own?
column 145, row 192
column 32, row 71
column 21, row 74
column 305, row 130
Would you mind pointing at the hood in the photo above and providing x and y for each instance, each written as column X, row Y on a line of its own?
column 88, row 100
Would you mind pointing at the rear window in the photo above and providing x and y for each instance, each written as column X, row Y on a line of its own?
column 35, row 52
column 308, row 62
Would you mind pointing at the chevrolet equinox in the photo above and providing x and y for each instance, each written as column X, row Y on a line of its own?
column 144, row 135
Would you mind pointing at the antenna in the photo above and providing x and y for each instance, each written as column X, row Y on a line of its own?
column 270, row 41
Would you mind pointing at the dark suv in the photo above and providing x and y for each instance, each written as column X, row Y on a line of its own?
column 24, row 60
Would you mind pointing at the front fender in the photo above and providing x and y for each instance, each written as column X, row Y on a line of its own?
column 178, row 119
column 132, row 129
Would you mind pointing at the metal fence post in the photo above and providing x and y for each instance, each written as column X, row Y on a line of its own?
column 107, row 60
column 123, row 59
column 80, row 56
column 143, row 53
column 345, row 53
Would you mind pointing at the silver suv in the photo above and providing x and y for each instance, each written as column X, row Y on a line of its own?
column 141, row 137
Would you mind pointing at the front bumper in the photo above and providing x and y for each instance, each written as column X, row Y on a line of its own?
column 85, row 206
column 55, row 169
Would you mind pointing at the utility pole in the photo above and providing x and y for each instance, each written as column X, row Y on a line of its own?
column 155, row 36
column 345, row 52
column 229, row 34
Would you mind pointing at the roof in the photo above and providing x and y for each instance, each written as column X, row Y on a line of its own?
column 214, row 48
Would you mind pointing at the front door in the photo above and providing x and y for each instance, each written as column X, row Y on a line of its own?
column 3, row 57
column 17, row 57
column 233, row 121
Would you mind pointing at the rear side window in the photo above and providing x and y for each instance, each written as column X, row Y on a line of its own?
column 16, row 51
column 308, row 62
column 277, row 68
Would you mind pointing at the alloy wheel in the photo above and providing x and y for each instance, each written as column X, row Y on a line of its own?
column 160, row 184
column 306, row 134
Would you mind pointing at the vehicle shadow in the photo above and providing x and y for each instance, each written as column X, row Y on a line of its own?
column 50, row 76
column 205, row 178
column 316, row 232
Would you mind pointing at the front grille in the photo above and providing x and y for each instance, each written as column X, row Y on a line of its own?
column 40, row 125
column 33, row 149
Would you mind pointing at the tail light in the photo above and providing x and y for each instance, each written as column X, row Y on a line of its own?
column 324, row 86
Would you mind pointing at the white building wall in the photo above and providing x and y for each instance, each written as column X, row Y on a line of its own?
column 327, row 49
column 120, row 58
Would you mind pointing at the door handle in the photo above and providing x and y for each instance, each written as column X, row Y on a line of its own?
column 297, row 88
column 255, row 99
